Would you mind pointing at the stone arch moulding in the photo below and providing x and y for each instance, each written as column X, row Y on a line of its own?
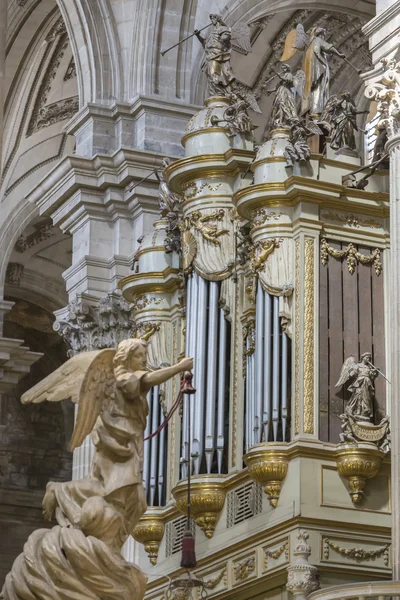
column 92, row 27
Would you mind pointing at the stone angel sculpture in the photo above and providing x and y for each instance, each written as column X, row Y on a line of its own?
column 80, row 557
column 362, row 376
column 284, row 108
column 297, row 148
column 218, row 46
column 315, row 65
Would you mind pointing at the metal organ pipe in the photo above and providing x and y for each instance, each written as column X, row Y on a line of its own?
column 275, row 370
column 154, row 442
column 221, row 388
column 211, row 373
column 201, row 351
column 146, row 453
column 259, row 367
column 284, row 384
column 161, row 461
column 188, row 337
column 267, row 364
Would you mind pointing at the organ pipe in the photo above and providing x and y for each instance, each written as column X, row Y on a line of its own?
column 221, row 388
column 211, row 373
column 275, row 368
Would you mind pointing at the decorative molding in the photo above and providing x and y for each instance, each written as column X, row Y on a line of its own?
column 141, row 301
column 351, row 220
column 203, row 225
column 71, row 70
column 259, row 216
column 56, row 112
column 297, row 341
column 86, row 327
column 43, row 115
column 358, row 554
column 353, row 257
column 275, row 554
column 211, row 584
column 43, row 232
column 249, row 342
column 244, row 569
column 14, row 273
column 260, row 251
column 192, row 189
column 309, row 328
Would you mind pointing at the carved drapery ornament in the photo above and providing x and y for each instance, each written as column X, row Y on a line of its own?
column 353, row 257
column 207, row 239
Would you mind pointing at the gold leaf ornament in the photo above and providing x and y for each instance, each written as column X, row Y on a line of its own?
column 189, row 249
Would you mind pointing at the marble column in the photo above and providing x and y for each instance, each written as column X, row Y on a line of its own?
column 394, row 149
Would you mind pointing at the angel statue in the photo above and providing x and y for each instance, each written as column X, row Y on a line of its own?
column 297, row 149
column 284, row 106
column 80, row 557
column 340, row 119
column 363, row 374
column 169, row 203
column 218, row 50
column 315, row 65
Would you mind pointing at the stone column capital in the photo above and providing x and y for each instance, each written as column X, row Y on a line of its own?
column 88, row 324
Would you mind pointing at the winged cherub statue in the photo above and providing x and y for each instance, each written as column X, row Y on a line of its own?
column 315, row 65
column 284, row 109
column 218, row 49
column 362, row 375
column 81, row 556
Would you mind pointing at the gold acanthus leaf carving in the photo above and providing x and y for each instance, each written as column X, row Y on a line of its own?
column 140, row 302
column 309, row 327
column 260, row 252
column 211, row 584
column 191, row 189
column 259, row 216
column 352, row 255
column 351, row 220
column 244, row 569
column 206, row 225
column 359, row 554
column 275, row 554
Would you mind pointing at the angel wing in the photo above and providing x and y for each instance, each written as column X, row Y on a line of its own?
column 313, row 127
column 330, row 108
column 295, row 40
column 63, row 383
column 97, row 387
column 247, row 94
column 240, row 36
column 346, row 368
column 300, row 82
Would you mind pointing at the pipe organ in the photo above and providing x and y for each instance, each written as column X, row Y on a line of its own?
column 278, row 277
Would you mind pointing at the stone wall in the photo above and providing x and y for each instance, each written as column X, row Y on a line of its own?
column 33, row 439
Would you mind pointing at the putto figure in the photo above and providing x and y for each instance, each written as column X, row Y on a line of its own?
column 363, row 374
column 315, row 65
column 284, row 109
column 80, row 557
